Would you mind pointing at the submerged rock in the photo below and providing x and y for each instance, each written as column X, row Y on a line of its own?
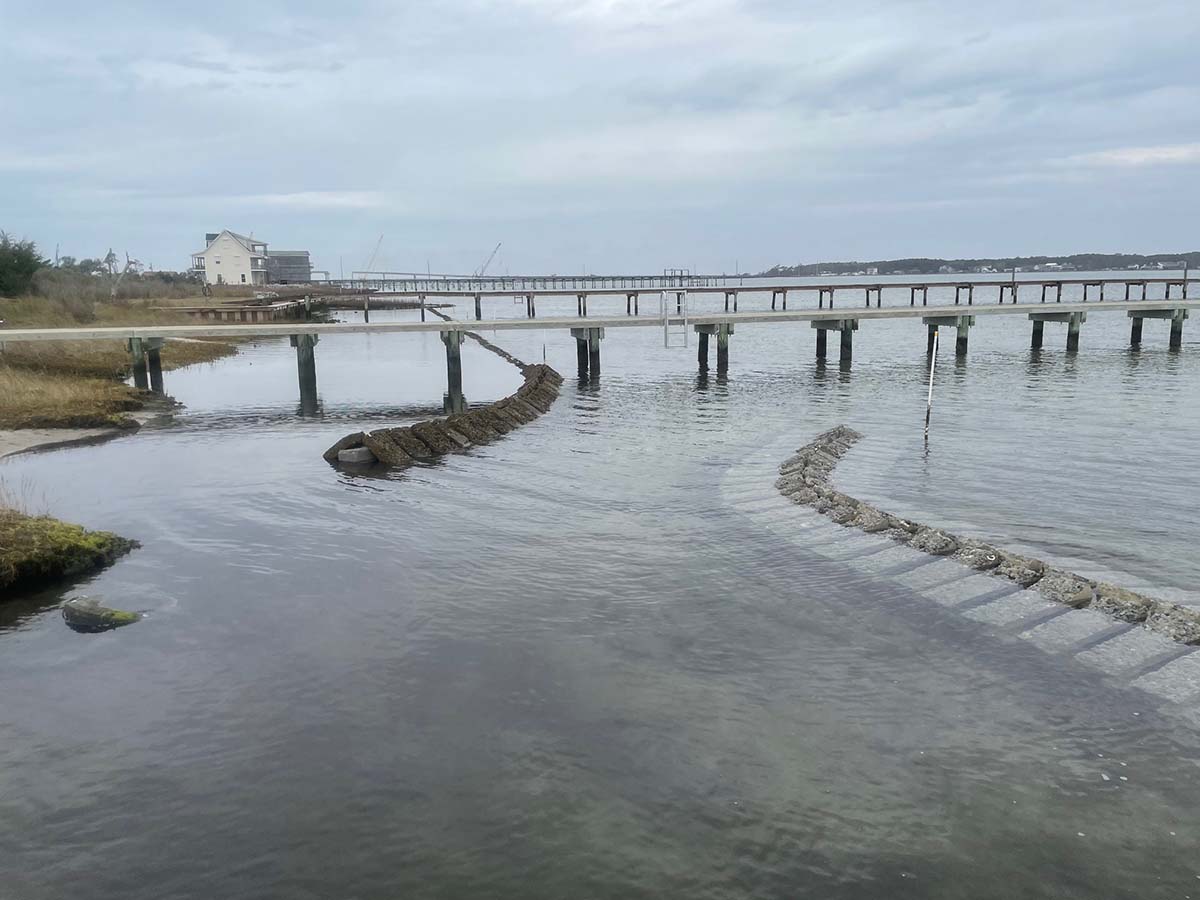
column 384, row 446
column 1122, row 604
column 1066, row 587
column 87, row 616
column 1176, row 622
column 349, row 442
column 933, row 541
column 978, row 555
column 1021, row 569
column 359, row 456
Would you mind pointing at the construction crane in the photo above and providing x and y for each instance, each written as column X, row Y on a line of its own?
column 374, row 253
column 482, row 270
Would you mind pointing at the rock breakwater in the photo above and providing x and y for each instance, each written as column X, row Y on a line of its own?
column 806, row 478
column 400, row 447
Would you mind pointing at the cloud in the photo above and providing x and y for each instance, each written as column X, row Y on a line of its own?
column 1139, row 157
column 316, row 200
column 762, row 124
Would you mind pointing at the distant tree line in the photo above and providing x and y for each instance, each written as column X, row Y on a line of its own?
column 1083, row 262
column 25, row 272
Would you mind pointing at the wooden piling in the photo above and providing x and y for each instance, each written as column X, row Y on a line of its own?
column 1039, row 333
column 1177, row 329
column 1073, row 324
column 1135, row 332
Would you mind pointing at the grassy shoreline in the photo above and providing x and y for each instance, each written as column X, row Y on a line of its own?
column 78, row 384
column 36, row 551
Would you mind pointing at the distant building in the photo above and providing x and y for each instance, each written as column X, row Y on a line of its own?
column 230, row 258
column 289, row 267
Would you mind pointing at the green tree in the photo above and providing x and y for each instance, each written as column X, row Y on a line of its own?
column 18, row 261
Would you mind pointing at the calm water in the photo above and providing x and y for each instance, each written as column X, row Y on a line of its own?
column 562, row 665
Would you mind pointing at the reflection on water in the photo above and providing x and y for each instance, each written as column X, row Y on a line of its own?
column 561, row 664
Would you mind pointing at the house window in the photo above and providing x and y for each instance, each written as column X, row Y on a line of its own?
column 243, row 278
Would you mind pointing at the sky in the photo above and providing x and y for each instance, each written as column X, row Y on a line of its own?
column 602, row 135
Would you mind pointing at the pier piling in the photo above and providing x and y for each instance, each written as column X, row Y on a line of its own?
column 587, row 351
column 702, row 351
column 1135, row 331
column 723, row 333
column 137, row 350
column 1073, row 324
column 1039, row 334
column 153, row 348
column 1177, row 328
column 453, row 401
column 306, row 366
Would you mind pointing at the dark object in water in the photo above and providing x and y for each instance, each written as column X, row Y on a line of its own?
column 87, row 616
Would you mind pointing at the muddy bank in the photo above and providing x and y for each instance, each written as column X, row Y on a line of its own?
column 806, row 478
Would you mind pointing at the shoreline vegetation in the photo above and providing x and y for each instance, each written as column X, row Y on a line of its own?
column 37, row 551
column 1076, row 262
column 806, row 479
column 79, row 384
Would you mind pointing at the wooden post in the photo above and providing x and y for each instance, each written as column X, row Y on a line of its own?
column 723, row 332
column 581, row 355
column 702, row 352
column 847, row 340
column 138, row 351
column 1177, row 329
column 306, row 365
column 1073, row 324
column 1135, row 332
column 962, row 333
column 822, row 345
column 154, row 364
column 930, row 339
column 593, row 352
column 1039, row 330
column 367, row 308
column 478, row 308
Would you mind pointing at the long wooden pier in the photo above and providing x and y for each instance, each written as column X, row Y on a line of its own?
column 674, row 316
column 402, row 282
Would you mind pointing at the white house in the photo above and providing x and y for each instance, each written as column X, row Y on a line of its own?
column 231, row 258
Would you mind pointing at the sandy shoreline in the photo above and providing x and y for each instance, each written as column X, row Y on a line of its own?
column 28, row 439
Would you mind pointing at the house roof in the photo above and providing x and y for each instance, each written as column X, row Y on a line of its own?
column 246, row 242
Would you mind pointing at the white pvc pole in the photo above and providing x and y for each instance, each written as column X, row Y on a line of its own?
column 932, row 365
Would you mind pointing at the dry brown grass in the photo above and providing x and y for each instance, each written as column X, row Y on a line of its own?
column 41, row 400
column 104, row 359
column 75, row 384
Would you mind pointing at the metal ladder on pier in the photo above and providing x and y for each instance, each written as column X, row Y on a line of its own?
column 674, row 302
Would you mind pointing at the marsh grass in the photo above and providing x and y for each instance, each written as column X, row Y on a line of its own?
column 44, row 400
column 37, row 550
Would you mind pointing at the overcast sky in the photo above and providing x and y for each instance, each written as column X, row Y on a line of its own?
column 612, row 134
